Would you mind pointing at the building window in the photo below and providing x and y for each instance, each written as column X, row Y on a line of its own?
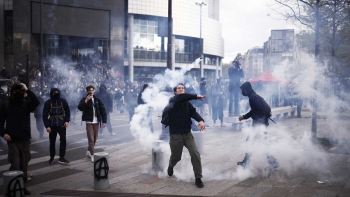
column 8, row 4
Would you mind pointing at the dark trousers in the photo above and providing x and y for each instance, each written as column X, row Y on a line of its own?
column 19, row 155
column 233, row 106
column 108, row 124
column 177, row 142
column 218, row 112
column 52, row 136
column 131, row 112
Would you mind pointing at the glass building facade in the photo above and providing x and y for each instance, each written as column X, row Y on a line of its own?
column 150, row 37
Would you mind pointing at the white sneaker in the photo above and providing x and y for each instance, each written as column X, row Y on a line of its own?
column 88, row 154
column 113, row 134
column 92, row 159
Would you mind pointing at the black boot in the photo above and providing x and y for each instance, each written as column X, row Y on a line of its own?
column 245, row 161
column 170, row 171
column 199, row 183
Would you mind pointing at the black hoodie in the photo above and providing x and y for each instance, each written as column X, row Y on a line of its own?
column 56, row 110
column 257, row 111
column 17, row 117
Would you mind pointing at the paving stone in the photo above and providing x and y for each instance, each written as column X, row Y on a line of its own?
column 343, row 193
column 302, row 191
column 277, row 191
column 324, row 193
column 254, row 191
column 231, row 191
column 250, row 182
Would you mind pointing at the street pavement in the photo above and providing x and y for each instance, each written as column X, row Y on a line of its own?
column 131, row 174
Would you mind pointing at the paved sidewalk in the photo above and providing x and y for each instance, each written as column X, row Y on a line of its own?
column 301, row 166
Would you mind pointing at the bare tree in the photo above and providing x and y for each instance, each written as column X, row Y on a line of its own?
column 309, row 13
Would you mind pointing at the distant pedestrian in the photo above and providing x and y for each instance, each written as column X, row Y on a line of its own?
column 16, row 114
column 38, row 115
column 131, row 102
column 106, row 99
column 218, row 97
column 181, row 111
column 260, row 113
column 94, row 113
column 56, row 117
column 235, row 74
column 140, row 101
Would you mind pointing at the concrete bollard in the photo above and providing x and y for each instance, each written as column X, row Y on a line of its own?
column 157, row 156
column 13, row 183
column 198, row 138
column 101, row 169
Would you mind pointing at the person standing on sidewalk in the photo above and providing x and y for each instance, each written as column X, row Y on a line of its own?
column 106, row 99
column 16, row 114
column 260, row 115
column 181, row 111
column 56, row 117
column 94, row 113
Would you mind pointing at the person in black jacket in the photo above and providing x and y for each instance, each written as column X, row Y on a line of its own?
column 16, row 114
column 106, row 99
column 140, row 101
column 181, row 112
column 56, row 117
column 235, row 74
column 260, row 121
column 94, row 113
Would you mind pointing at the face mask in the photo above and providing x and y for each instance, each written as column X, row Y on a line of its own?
column 244, row 93
column 55, row 96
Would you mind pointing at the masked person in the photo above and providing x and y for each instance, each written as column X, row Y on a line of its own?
column 94, row 113
column 56, row 117
column 260, row 115
column 181, row 111
column 17, row 133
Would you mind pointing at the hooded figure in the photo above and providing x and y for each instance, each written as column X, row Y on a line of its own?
column 17, row 132
column 260, row 118
column 106, row 99
column 257, row 112
column 56, row 117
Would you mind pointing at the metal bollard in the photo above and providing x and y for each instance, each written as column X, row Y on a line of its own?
column 198, row 138
column 157, row 156
column 13, row 183
column 101, row 169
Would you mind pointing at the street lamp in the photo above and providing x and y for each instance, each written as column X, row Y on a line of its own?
column 200, row 4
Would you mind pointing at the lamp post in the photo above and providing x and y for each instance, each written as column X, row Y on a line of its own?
column 200, row 4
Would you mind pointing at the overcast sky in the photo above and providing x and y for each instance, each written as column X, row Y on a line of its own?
column 246, row 24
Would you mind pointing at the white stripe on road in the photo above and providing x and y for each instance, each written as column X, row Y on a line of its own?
column 45, row 158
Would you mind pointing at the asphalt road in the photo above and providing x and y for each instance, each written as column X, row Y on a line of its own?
column 76, row 140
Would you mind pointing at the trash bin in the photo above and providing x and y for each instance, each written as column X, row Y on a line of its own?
column 157, row 155
column 101, row 169
column 198, row 138
column 13, row 183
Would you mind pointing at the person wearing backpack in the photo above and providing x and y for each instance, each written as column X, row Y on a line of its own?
column 56, row 117
column 177, row 115
column 260, row 113
column 17, row 133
